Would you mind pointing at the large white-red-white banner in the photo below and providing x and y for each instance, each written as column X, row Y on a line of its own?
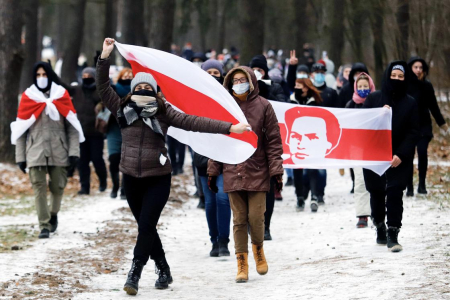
column 193, row 91
column 319, row 138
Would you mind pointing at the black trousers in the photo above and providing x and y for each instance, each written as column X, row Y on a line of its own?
column 147, row 197
column 114, row 162
column 177, row 152
column 422, row 154
column 386, row 193
column 91, row 150
column 306, row 180
column 270, row 203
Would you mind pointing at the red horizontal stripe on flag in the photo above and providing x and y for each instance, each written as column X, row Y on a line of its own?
column 194, row 102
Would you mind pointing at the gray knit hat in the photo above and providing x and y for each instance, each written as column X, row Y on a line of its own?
column 90, row 71
column 213, row 64
column 143, row 77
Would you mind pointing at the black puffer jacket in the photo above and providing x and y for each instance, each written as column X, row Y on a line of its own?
column 423, row 92
column 405, row 115
column 329, row 96
column 348, row 89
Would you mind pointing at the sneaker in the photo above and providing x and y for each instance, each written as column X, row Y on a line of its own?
column 362, row 222
column 45, row 234
column 381, row 233
column 314, row 205
column 392, row 239
column 215, row 250
column 320, row 200
column 289, row 182
column 300, row 204
column 267, row 236
column 53, row 223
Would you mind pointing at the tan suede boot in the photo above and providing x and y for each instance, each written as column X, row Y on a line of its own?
column 261, row 264
column 242, row 264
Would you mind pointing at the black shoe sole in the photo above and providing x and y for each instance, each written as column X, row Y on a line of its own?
column 267, row 238
column 224, row 254
column 214, row 255
column 130, row 290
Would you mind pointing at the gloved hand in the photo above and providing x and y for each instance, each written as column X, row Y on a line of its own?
column 278, row 182
column 212, row 184
column 22, row 166
column 73, row 162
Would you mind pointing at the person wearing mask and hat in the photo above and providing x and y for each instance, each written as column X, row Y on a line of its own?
column 421, row 89
column 217, row 204
column 267, row 88
column 363, row 87
column 347, row 90
column 247, row 183
column 47, row 135
column 144, row 118
column 386, row 191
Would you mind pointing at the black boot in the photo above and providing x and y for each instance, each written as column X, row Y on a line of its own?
column 223, row 248
column 163, row 270
column 381, row 233
column 45, row 234
column 267, row 236
column 132, row 284
column 201, row 202
column 320, row 200
column 54, row 223
column 289, row 182
column 392, row 242
column 300, row 204
column 422, row 189
column 116, row 184
column 215, row 250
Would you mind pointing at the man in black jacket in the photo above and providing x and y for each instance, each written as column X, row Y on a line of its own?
column 328, row 95
column 386, row 191
column 347, row 90
column 267, row 88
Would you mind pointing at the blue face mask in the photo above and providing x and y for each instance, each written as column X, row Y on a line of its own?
column 319, row 79
column 363, row 93
column 301, row 75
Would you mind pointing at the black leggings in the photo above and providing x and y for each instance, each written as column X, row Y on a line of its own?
column 270, row 203
column 422, row 153
column 147, row 197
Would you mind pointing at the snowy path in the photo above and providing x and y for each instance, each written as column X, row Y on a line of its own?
column 312, row 256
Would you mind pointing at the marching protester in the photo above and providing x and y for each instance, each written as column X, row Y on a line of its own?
column 305, row 180
column 247, row 183
column 363, row 87
column 267, row 88
column 144, row 117
column 217, row 204
column 295, row 71
column 113, row 135
column 47, row 136
column 386, row 191
column 328, row 95
column 347, row 90
column 421, row 89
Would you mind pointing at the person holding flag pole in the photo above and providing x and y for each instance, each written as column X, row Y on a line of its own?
column 144, row 118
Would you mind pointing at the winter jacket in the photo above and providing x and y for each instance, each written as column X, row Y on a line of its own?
column 329, row 96
column 423, row 92
column 304, row 101
column 113, row 135
column 277, row 92
column 405, row 116
column 144, row 152
column 253, row 174
column 48, row 143
column 347, row 90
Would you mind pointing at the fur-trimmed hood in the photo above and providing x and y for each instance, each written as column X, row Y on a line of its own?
column 254, row 89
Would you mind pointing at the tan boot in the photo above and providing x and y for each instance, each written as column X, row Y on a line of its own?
column 261, row 264
column 242, row 264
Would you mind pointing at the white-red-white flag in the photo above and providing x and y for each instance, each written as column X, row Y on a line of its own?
column 320, row 138
column 191, row 90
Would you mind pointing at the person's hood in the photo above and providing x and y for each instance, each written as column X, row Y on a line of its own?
column 48, row 70
column 357, row 67
column 330, row 65
column 387, row 86
column 425, row 66
column 254, row 89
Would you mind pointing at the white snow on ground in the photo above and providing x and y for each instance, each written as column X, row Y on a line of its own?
column 311, row 256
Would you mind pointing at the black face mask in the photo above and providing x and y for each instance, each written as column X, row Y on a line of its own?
column 218, row 78
column 298, row 94
column 398, row 87
column 124, row 81
column 88, row 81
column 145, row 93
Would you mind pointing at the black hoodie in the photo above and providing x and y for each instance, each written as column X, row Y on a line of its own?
column 347, row 90
column 405, row 115
column 423, row 92
column 50, row 75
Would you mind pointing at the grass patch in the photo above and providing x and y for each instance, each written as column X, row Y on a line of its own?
column 17, row 237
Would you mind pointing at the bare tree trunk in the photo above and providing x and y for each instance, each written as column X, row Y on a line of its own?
column 204, row 21
column 133, row 32
column 73, row 37
column 379, row 49
column 221, row 7
column 111, row 22
column 11, row 58
column 251, row 29
column 336, row 33
column 357, row 15
column 31, row 47
column 301, row 25
column 162, row 24
column 402, row 16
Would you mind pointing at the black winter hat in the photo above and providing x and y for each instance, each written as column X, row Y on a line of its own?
column 318, row 67
column 199, row 55
column 303, row 68
column 260, row 61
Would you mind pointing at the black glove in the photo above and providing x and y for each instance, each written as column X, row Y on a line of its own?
column 278, row 182
column 22, row 166
column 212, row 184
column 73, row 162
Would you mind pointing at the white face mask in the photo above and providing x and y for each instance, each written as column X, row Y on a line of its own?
column 257, row 74
column 241, row 88
column 42, row 82
column 198, row 64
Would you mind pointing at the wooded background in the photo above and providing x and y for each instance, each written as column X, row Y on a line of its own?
column 373, row 32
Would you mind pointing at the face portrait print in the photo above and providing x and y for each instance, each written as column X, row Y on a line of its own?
column 312, row 133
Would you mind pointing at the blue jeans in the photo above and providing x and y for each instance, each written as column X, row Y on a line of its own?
column 218, row 212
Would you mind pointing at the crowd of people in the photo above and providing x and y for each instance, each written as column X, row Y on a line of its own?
column 131, row 112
